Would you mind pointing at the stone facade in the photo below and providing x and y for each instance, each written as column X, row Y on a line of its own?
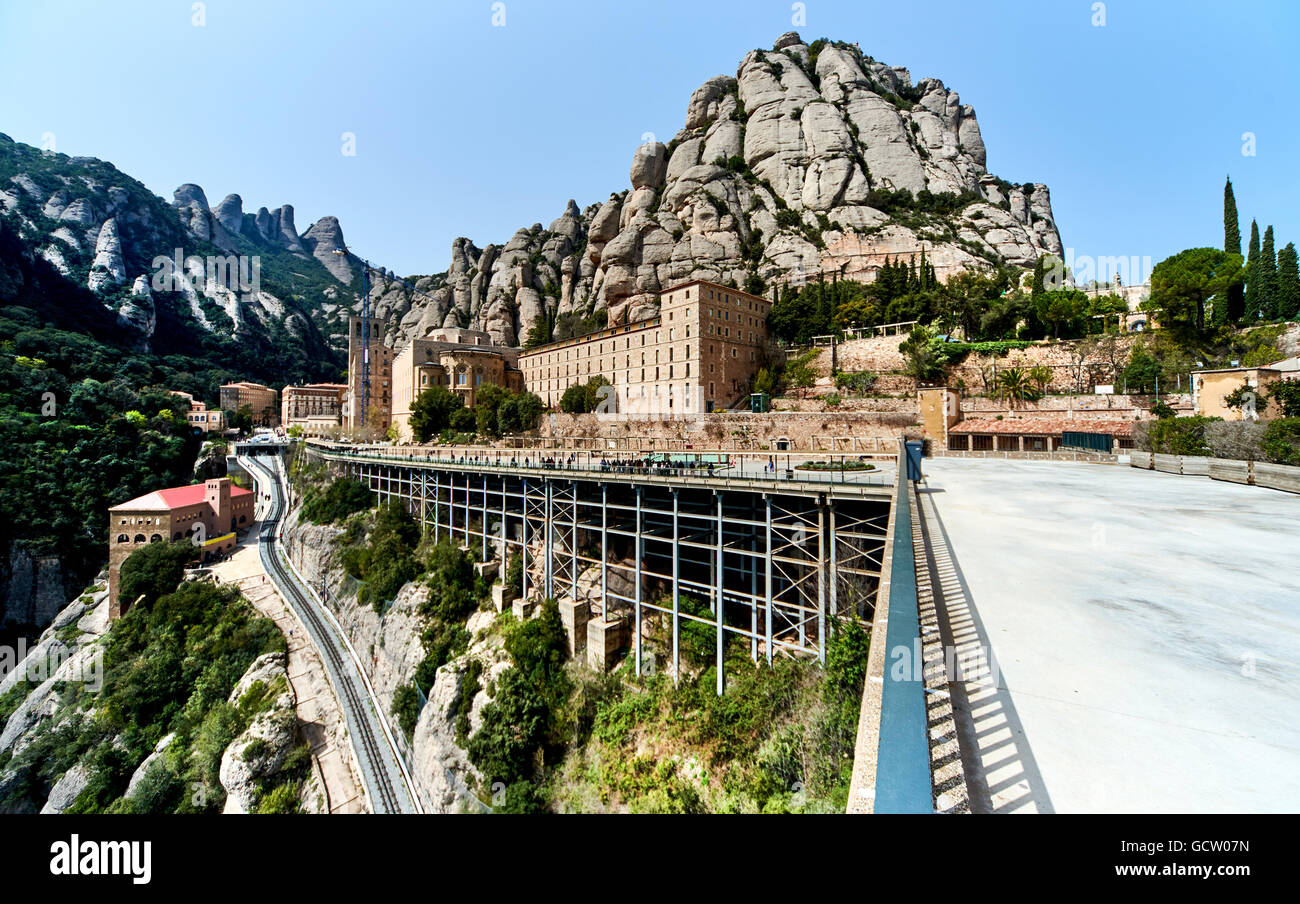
column 317, row 409
column 463, row 361
column 209, row 514
column 261, row 399
column 699, row 354
column 381, row 377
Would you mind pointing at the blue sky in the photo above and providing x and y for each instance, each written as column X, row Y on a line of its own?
column 466, row 128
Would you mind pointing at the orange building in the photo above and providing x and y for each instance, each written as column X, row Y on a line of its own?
column 207, row 514
column 200, row 417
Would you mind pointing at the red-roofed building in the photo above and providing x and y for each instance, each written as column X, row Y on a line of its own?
column 208, row 514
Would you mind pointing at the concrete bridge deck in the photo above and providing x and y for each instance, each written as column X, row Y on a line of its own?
column 1135, row 637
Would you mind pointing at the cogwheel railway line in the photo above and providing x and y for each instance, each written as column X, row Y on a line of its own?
column 378, row 760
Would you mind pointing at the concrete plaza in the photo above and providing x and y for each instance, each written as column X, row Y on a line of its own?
column 1146, row 628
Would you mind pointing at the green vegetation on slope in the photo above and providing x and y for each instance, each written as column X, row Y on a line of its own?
column 170, row 664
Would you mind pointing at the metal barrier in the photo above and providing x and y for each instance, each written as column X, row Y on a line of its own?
column 903, row 783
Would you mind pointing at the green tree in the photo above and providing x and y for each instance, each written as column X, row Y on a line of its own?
column 1143, row 370
column 519, row 413
column 1267, row 272
column 341, row 498
column 1286, row 395
column 1231, row 223
column 1041, row 377
column 800, row 376
column 487, row 403
column 584, row 398
column 1182, row 285
column 1288, row 283
column 924, row 361
column 432, row 411
column 1235, row 305
column 241, row 420
column 1252, row 308
column 153, row 571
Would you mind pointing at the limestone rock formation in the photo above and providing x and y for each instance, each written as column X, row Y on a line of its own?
column 138, row 313
column 798, row 162
column 230, row 214
column 108, row 268
column 324, row 238
column 261, row 750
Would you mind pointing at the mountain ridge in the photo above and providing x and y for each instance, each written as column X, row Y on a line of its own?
column 812, row 160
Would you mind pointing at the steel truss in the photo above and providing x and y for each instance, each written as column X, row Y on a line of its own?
column 784, row 565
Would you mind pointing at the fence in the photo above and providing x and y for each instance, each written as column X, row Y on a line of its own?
column 1251, row 473
column 903, row 783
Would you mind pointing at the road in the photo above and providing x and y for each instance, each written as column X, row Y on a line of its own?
column 1146, row 628
column 387, row 783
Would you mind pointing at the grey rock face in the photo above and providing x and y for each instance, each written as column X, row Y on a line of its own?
column 258, row 753
column 65, row 790
column 817, row 138
column 288, row 234
column 108, row 268
column 649, row 165
column 323, row 238
column 138, row 313
column 230, row 214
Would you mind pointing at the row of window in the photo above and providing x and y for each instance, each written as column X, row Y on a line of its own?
column 157, row 538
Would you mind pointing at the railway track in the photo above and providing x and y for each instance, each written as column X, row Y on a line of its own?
column 369, row 745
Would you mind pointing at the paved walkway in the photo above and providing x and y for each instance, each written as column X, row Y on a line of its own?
column 1145, row 634
column 319, row 715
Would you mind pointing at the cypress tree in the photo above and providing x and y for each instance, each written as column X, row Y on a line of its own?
column 1288, row 283
column 1268, row 277
column 1252, row 275
column 1234, row 303
column 1231, row 225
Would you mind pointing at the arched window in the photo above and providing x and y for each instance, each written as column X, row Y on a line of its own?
column 139, row 538
column 123, row 538
column 156, row 538
column 179, row 536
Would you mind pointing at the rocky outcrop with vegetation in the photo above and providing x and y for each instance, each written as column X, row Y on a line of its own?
column 812, row 157
column 181, row 706
column 496, row 714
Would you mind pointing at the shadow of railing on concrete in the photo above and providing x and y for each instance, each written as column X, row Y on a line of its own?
column 1001, row 773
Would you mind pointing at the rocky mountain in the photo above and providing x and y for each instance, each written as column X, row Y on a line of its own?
column 250, row 279
column 811, row 159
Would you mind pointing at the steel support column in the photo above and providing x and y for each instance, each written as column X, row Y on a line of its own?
column 523, row 544
column 639, row 551
column 604, row 549
column 720, row 607
column 821, row 581
column 505, row 547
column 548, row 556
column 677, row 657
column 767, row 576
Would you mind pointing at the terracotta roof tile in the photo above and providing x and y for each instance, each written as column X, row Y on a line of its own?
column 1042, row 426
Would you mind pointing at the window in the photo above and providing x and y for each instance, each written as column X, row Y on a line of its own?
column 123, row 538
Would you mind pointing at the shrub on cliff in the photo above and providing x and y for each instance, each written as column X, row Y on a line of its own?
column 341, row 498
